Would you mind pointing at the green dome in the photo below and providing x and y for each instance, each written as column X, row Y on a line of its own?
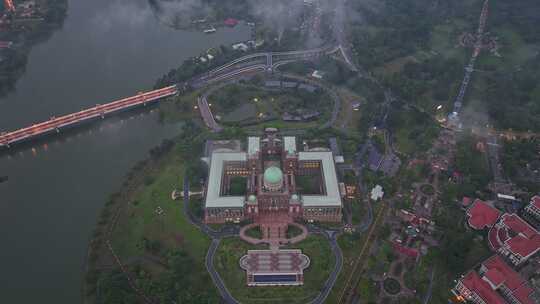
column 252, row 198
column 273, row 175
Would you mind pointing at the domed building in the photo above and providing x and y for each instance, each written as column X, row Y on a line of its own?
column 273, row 179
column 272, row 184
column 278, row 182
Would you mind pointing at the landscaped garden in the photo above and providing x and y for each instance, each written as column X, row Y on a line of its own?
column 254, row 232
column 392, row 286
column 316, row 248
column 251, row 103
column 308, row 184
column 427, row 189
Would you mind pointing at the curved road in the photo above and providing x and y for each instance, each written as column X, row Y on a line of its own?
column 331, row 235
column 216, row 278
column 216, row 236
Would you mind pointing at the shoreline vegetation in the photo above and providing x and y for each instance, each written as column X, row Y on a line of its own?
column 135, row 228
column 420, row 64
column 145, row 228
column 24, row 30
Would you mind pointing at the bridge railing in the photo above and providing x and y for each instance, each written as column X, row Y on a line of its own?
column 98, row 110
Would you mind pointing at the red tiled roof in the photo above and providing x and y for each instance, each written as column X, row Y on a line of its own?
column 474, row 283
column 498, row 269
column 411, row 252
column 5, row 44
column 498, row 273
column 523, row 294
column 481, row 215
column 527, row 239
column 518, row 225
column 495, row 277
column 512, row 280
column 524, row 246
column 231, row 22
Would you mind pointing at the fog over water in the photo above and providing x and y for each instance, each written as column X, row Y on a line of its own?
column 107, row 49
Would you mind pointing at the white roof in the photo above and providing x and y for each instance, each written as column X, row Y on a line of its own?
column 332, row 197
column 254, row 146
column 377, row 193
column 504, row 196
column 213, row 198
column 289, row 143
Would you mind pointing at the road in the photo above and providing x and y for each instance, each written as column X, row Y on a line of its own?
column 469, row 69
column 207, row 115
column 216, row 278
column 341, row 36
column 331, row 235
column 229, row 231
column 494, row 160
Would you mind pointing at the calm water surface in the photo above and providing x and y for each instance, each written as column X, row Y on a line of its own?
column 106, row 49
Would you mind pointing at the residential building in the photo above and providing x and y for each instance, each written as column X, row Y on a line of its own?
column 495, row 282
column 514, row 239
column 482, row 215
column 532, row 212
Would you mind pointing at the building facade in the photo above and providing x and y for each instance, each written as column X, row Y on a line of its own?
column 495, row 282
column 532, row 212
column 272, row 180
column 274, row 268
column 514, row 239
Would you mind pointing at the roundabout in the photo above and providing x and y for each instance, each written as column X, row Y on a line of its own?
column 392, row 286
column 427, row 189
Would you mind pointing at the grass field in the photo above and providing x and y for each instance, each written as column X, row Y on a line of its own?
column 179, row 108
column 352, row 246
column 315, row 247
column 358, row 209
column 139, row 220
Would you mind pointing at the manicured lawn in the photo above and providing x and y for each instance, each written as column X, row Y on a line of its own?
column 308, row 185
column 179, row 108
column 240, row 113
column 358, row 209
column 139, row 220
column 293, row 231
column 254, row 232
column 315, row 247
column 238, row 186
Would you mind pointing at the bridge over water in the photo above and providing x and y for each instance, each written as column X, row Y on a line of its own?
column 247, row 64
column 56, row 124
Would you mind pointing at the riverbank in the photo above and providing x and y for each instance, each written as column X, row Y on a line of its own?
column 147, row 231
column 99, row 55
column 22, row 29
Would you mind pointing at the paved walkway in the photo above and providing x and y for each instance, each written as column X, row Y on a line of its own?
column 216, row 236
column 273, row 241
